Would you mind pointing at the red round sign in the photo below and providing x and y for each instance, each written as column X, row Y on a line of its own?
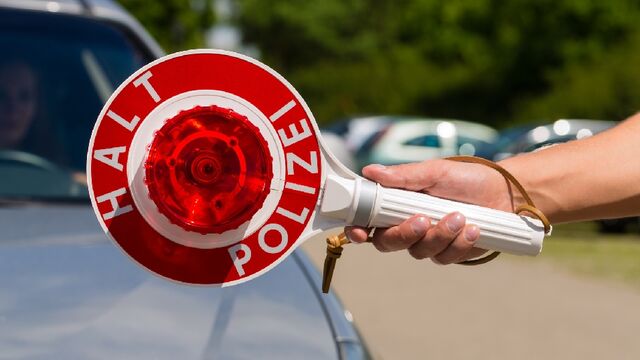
column 140, row 102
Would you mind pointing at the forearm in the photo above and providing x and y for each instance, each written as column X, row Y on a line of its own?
column 597, row 177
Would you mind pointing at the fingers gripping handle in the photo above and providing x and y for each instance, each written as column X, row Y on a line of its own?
column 499, row 230
column 364, row 203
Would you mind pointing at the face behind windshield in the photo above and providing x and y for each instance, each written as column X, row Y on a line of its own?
column 56, row 72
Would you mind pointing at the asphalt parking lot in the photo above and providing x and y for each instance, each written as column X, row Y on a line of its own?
column 512, row 308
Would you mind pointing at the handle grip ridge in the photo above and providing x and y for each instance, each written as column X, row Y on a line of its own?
column 499, row 230
column 365, row 203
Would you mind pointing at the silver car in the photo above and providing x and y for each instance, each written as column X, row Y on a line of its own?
column 66, row 292
column 418, row 139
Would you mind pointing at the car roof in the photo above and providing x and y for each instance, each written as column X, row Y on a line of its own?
column 107, row 10
column 412, row 127
column 561, row 130
column 564, row 127
column 62, row 5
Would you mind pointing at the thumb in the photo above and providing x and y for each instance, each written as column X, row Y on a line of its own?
column 413, row 176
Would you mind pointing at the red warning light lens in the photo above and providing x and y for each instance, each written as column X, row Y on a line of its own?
column 208, row 169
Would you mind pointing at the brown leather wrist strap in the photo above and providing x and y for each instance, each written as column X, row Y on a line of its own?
column 334, row 251
column 529, row 207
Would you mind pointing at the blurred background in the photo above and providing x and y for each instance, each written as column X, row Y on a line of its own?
column 388, row 82
column 400, row 81
column 499, row 63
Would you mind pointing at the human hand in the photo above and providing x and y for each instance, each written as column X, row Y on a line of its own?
column 451, row 240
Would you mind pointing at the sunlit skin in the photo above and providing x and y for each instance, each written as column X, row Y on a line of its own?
column 594, row 178
column 18, row 103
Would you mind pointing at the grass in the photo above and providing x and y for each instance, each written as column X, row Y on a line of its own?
column 580, row 248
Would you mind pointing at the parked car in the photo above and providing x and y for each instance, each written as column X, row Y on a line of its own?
column 357, row 131
column 339, row 149
column 505, row 139
column 526, row 138
column 66, row 292
column 418, row 139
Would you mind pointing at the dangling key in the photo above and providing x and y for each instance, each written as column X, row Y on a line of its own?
column 334, row 251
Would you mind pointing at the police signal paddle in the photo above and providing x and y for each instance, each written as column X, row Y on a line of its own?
column 207, row 167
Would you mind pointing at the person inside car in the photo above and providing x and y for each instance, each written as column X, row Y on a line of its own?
column 23, row 124
column 18, row 103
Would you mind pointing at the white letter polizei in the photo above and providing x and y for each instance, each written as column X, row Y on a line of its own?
column 283, row 110
column 110, row 156
column 144, row 81
column 262, row 241
column 301, row 188
column 295, row 134
column 299, row 218
column 113, row 199
column 237, row 260
column 311, row 166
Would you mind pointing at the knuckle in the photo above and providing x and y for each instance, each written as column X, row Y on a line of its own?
column 416, row 253
column 425, row 249
column 461, row 246
column 404, row 182
column 439, row 236
column 438, row 259
column 407, row 236
column 380, row 246
column 456, row 251
column 353, row 235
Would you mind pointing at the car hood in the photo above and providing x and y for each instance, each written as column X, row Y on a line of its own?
column 67, row 292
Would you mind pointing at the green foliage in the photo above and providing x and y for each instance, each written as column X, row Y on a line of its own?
column 175, row 24
column 486, row 60
column 607, row 87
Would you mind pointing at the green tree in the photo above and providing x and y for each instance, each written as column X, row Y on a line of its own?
column 176, row 24
column 481, row 60
column 607, row 87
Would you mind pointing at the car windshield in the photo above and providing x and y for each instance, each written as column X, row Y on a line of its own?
column 56, row 72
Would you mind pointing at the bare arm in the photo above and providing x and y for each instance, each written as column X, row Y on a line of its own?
column 593, row 178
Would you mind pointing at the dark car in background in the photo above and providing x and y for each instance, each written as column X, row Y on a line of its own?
column 505, row 139
column 66, row 292
column 526, row 138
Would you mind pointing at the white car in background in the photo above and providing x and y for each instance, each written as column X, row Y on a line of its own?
column 422, row 139
column 357, row 131
column 339, row 149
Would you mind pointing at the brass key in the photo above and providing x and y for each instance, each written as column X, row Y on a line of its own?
column 334, row 251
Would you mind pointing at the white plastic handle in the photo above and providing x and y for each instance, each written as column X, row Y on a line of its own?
column 362, row 202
